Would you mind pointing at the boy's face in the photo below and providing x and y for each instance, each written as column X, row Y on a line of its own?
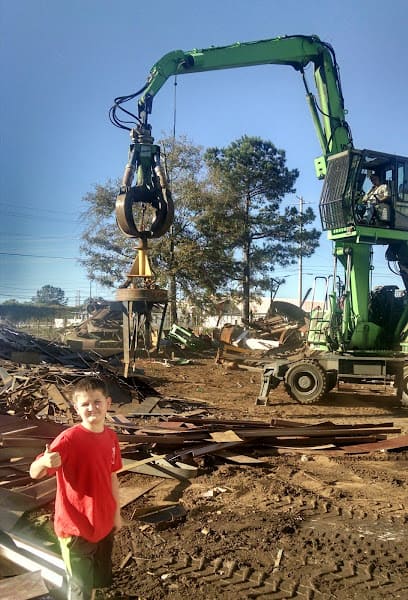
column 92, row 407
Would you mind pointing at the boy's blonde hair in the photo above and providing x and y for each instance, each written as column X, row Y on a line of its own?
column 87, row 384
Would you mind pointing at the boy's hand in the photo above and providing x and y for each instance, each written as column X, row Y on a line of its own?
column 51, row 460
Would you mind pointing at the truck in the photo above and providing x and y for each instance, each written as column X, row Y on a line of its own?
column 357, row 334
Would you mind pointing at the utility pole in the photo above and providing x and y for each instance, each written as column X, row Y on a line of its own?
column 300, row 265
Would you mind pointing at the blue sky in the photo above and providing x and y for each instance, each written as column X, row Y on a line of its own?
column 64, row 61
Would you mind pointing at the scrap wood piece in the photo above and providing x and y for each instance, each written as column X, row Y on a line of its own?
column 326, row 449
column 146, row 407
column 12, row 506
column 189, row 433
column 128, row 465
column 240, row 459
column 197, row 451
column 8, row 453
column 148, row 439
column 22, row 442
column 396, row 443
column 191, row 419
column 194, row 412
column 332, row 441
column 334, row 426
column 128, row 494
column 15, row 481
column 125, row 560
column 314, row 431
column 43, row 491
column 168, row 470
column 6, row 378
column 120, row 420
column 164, row 512
column 225, row 436
column 58, row 397
column 6, row 429
column 23, row 587
column 10, row 426
column 176, row 424
column 277, row 560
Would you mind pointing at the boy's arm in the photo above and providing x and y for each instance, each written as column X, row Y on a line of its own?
column 48, row 460
column 117, row 521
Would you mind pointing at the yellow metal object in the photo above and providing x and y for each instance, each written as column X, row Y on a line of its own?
column 138, row 300
column 141, row 264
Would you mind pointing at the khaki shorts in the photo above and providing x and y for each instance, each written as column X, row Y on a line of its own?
column 88, row 565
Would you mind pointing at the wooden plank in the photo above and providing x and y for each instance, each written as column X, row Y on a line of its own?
column 396, row 443
column 6, row 378
column 128, row 494
column 314, row 431
column 163, row 468
column 22, row 442
column 58, row 397
column 129, row 465
column 225, row 436
column 23, row 587
column 240, row 459
column 146, row 406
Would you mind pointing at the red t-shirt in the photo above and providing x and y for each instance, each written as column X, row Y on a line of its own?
column 84, row 504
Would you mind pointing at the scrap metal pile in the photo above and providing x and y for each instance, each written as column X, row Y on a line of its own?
column 101, row 331
column 164, row 437
column 20, row 347
column 173, row 447
column 280, row 333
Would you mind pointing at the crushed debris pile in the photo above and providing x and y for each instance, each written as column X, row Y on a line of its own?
column 101, row 331
column 20, row 347
column 44, row 392
column 186, row 338
column 174, row 448
column 177, row 443
column 281, row 332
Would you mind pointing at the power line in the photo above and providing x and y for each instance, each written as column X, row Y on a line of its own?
column 38, row 256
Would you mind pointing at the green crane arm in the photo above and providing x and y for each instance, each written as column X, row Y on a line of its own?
column 297, row 51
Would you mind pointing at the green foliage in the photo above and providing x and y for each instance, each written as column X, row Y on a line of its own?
column 250, row 179
column 49, row 294
column 17, row 313
column 105, row 253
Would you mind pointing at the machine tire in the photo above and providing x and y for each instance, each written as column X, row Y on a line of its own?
column 331, row 379
column 306, row 382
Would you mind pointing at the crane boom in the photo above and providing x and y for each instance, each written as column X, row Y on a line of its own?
column 297, row 51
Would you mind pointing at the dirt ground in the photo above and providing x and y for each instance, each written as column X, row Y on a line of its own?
column 308, row 526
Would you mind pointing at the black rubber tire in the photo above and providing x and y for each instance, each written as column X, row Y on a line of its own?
column 306, row 382
column 331, row 379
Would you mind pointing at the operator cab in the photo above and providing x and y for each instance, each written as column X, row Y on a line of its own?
column 349, row 199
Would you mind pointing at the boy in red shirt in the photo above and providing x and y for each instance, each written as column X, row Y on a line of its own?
column 85, row 458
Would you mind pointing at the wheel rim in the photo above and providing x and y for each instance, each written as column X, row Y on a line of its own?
column 306, row 382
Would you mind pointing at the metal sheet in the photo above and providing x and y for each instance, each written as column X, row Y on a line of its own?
column 23, row 587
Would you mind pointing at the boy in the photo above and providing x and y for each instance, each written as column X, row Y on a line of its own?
column 85, row 458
